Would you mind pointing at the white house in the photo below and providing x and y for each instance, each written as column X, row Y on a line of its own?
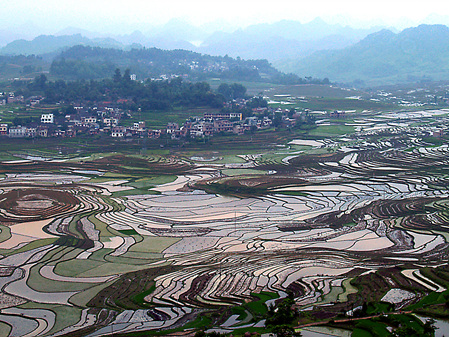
column 47, row 118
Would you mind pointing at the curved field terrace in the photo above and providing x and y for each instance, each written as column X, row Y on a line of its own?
column 129, row 244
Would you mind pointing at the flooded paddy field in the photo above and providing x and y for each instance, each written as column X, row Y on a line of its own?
column 122, row 244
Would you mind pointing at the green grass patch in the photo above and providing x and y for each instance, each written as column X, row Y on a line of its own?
column 139, row 298
column 201, row 321
column 116, row 206
column 109, row 269
column 7, row 157
column 81, row 299
column 238, row 172
column 149, row 182
column 128, row 232
column 137, row 259
column 374, row 327
column 39, row 283
column 74, row 267
column 29, row 246
column 65, row 316
column 224, row 159
column 348, row 289
column 65, row 254
column 331, row 130
column 295, row 193
column 239, row 311
column 431, row 299
column 259, row 306
column 408, row 320
column 5, row 233
column 153, row 244
column 378, row 307
column 117, row 176
column 101, row 226
column 357, row 332
column 72, row 225
column 332, row 296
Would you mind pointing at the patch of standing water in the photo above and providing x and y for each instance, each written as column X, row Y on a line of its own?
column 441, row 325
column 320, row 331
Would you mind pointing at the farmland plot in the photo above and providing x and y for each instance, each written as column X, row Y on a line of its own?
column 210, row 241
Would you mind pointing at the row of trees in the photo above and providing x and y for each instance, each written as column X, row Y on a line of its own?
column 151, row 95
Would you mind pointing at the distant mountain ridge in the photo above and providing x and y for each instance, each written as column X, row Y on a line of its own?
column 45, row 44
column 279, row 40
column 316, row 49
column 384, row 57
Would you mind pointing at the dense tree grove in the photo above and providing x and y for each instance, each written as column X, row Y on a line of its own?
column 80, row 69
column 232, row 91
column 154, row 95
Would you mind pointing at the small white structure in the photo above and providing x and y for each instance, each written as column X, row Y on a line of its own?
column 47, row 118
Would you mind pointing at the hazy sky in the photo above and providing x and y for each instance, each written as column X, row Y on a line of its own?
column 124, row 16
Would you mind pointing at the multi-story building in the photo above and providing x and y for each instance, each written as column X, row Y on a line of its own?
column 223, row 125
column 31, row 132
column 118, row 132
column 110, row 121
column 17, row 132
column 47, row 118
column 42, row 132
column 172, row 127
column 227, row 115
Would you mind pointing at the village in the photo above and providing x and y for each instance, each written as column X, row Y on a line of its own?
column 117, row 122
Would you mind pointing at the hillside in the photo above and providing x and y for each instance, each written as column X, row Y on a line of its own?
column 44, row 44
column 415, row 54
column 82, row 62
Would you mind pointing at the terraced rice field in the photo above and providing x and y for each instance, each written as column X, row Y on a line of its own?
column 78, row 259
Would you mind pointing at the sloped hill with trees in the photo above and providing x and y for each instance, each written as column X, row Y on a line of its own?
column 83, row 62
column 415, row 54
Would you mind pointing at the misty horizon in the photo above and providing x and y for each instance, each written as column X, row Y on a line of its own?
column 27, row 19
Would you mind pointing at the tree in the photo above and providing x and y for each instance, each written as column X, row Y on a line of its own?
column 225, row 90
column 285, row 331
column 117, row 76
column 285, row 314
column 238, row 90
column 39, row 83
column 277, row 120
column 127, row 76
column 70, row 110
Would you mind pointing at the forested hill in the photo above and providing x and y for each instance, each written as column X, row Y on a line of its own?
column 419, row 53
column 83, row 62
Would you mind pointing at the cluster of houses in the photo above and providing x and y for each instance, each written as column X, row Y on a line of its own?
column 115, row 123
column 108, row 122
column 214, row 123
